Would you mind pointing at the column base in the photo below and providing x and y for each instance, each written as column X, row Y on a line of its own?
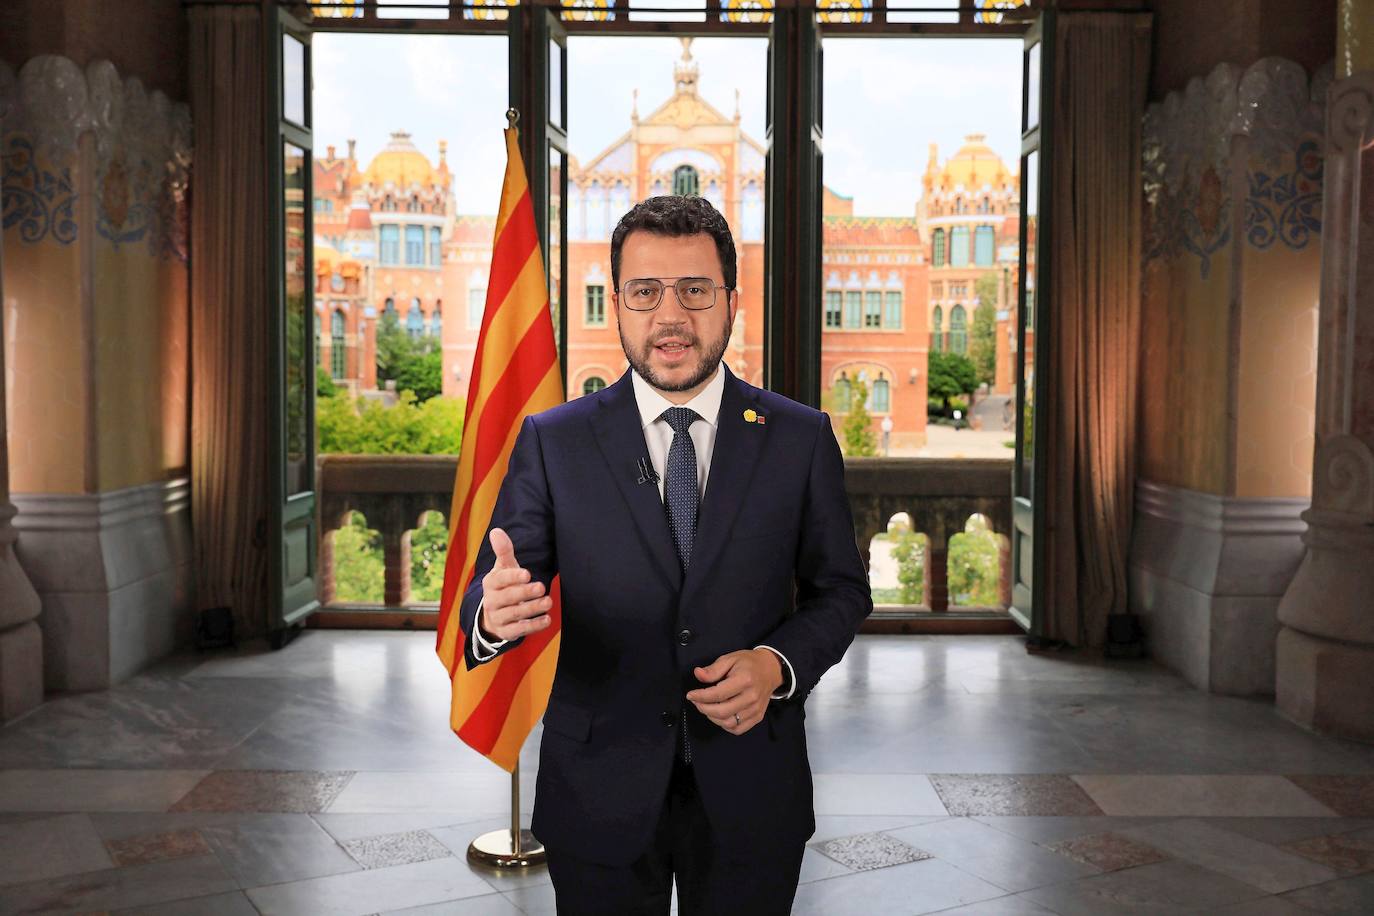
column 1323, row 685
column 21, row 670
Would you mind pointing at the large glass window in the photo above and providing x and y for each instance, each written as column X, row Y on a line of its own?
column 436, row 248
column 595, row 304
column 853, row 308
column 984, row 241
column 958, row 331
column 958, row 246
column 893, row 318
column 873, row 309
column 834, row 301
column 415, row 320
column 686, row 181
column 415, row 245
column 937, row 258
column 937, row 330
column 477, row 303
column 390, row 236
column 337, row 354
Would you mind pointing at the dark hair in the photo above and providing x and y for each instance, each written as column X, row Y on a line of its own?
column 674, row 215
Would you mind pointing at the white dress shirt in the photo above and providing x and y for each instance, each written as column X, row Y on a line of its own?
column 658, row 436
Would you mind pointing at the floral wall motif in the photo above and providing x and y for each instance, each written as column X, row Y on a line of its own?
column 142, row 155
column 94, row 213
column 1233, row 204
column 1190, row 154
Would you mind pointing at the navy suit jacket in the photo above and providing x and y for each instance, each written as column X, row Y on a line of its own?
column 774, row 561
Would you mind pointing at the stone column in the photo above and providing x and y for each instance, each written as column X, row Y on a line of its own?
column 21, row 642
column 1326, row 643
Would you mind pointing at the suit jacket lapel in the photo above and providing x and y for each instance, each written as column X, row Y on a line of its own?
column 620, row 435
column 733, row 458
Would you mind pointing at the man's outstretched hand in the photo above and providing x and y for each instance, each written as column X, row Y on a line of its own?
column 512, row 605
column 741, row 683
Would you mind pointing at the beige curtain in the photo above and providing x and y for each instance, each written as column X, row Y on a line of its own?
column 1101, row 80
column 229, row 303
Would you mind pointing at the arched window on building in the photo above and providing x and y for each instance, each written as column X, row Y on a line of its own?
column 415, row 320
column 596, row 211
column 389, row 310
column 983, row 241
column 436, row 249
column 337, row 353
column 958, row 246
column 958, row 331
column 841, row 390
column 620, row 202
column 593, row 384
column 959, row 205
column 938, row 244
column 686, row 181
column 436, row 320
column 937, row 331
column 715, row 196
column 881, row 398
column 477, row 298
column 752, row 215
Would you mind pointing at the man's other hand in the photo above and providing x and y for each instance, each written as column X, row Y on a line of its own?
column 742, row 682
column 512, row 605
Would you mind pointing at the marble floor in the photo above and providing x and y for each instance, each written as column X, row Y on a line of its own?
column 953, row 775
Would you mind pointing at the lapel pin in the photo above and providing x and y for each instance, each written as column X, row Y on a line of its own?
column 753, row 416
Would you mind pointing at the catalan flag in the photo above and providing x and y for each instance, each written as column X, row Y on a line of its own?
column 515, row 372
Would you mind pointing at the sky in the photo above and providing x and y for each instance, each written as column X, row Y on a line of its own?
column 885, row 100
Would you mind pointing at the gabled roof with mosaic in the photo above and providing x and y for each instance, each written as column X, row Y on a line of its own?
column 840, row 230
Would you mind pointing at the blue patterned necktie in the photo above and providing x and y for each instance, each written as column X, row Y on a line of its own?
column 680, row 495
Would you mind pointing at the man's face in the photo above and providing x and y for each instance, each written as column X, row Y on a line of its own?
column 675, row 349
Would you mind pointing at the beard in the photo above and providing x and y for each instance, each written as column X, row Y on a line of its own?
column 710, row 359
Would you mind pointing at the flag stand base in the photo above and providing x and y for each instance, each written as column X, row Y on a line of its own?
column 494, row 851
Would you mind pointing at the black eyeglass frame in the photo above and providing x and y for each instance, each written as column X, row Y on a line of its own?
column 662, row 288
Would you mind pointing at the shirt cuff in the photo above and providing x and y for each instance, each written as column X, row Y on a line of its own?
column 482, row 650
column 791, row 676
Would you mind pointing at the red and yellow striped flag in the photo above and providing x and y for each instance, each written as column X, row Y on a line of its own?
column 515, row 373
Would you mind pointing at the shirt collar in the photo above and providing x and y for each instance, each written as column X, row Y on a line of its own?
column 652, row 403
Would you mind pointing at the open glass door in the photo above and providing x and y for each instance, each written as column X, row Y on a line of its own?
column 291, row 523
column 556, row 188
column 1032, row 352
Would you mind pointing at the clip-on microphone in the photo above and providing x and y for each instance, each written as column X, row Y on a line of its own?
column 647, row 474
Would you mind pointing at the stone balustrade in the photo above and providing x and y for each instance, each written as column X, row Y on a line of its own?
column 394, row 491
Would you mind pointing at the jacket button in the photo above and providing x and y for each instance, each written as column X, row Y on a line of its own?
column 668, row 718
column 684, row 636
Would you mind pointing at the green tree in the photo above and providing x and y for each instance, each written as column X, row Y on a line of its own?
column 859, row 437
column 974, row 565
column 422, row 374
column 358, row 564
column 983, row 334
column 909, row 550
column 413, row 363
column 949, row 375
column 325, row 386
column 365, row 426
column 428, row 550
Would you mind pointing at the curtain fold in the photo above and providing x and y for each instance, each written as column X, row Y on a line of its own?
column 229, row 311
column 1101, row 82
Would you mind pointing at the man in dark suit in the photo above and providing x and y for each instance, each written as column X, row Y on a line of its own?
column 709, row 577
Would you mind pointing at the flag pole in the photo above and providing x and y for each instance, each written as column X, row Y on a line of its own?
column 512, row 848
column 515, row 848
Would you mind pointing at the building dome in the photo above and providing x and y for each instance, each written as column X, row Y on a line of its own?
column 402, row 164
column 972, row 167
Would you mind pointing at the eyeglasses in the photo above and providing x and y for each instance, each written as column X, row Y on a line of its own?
column 645, row 293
